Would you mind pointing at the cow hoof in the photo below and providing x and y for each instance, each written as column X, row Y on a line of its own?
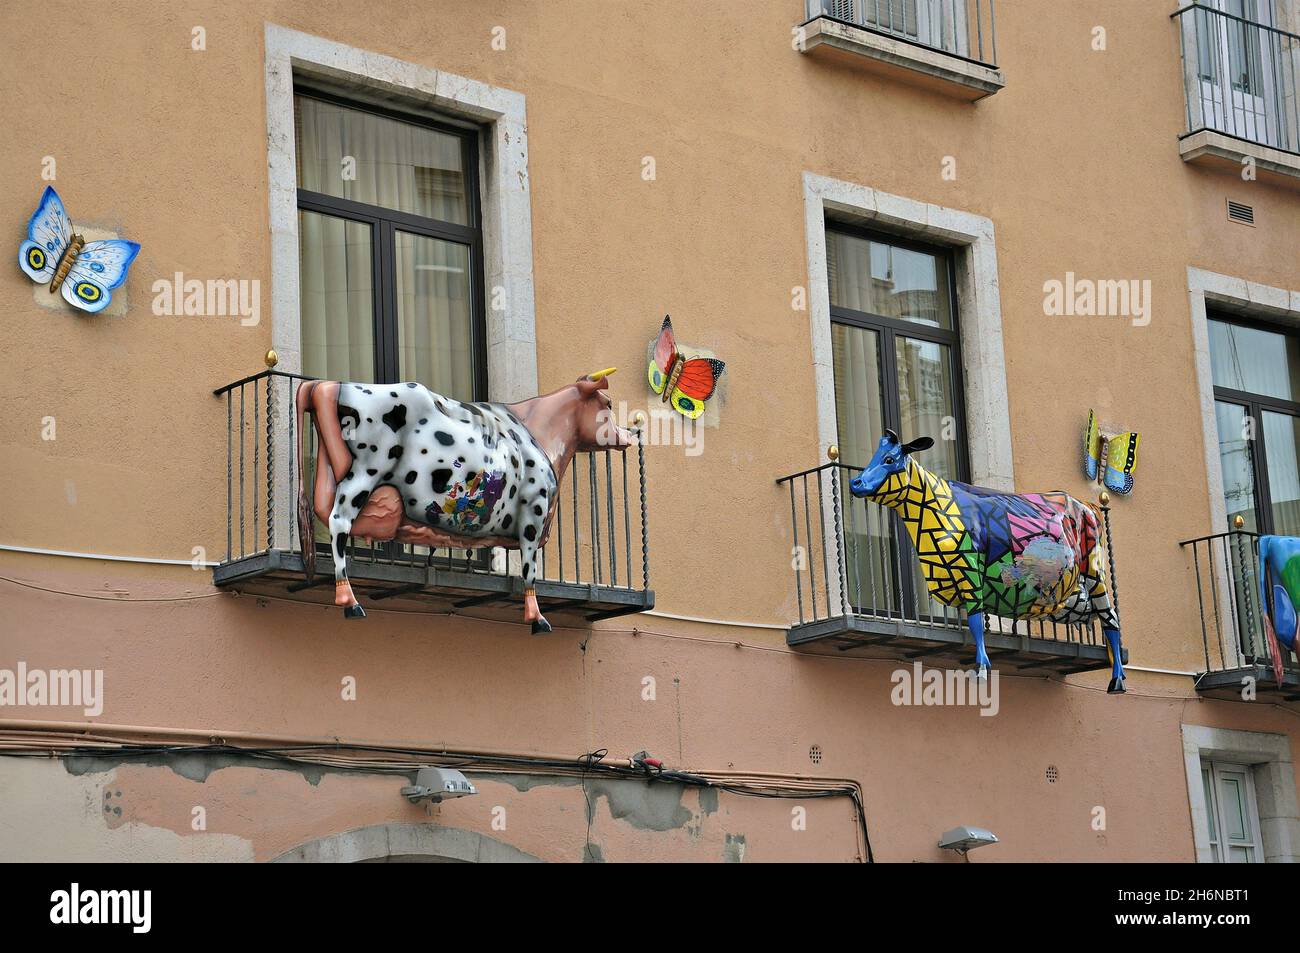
column 354, row 611
column 1116, row 687
column 541, row 627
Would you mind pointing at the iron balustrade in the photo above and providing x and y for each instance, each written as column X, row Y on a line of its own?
column 1240, row 77
column 853, row 558
column 961, row 28
column 1225, row 569
column 598, row 534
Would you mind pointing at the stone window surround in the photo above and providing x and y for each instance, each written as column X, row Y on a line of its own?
column 1235, row 296
column 979, row 309
column 1269, row 756
column 507, row 212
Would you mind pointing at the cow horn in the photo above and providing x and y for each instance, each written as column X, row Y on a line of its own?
column 598, row 375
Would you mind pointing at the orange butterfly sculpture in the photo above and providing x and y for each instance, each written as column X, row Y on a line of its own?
column 685, row 382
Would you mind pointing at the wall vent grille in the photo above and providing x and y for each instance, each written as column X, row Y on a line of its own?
column 1240, row 212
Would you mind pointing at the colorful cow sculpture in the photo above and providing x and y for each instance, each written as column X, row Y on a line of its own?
column 1279, row 585
column 397, row 461
column 1017, row 556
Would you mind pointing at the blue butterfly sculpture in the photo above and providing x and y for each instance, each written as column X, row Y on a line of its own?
column 86, row 271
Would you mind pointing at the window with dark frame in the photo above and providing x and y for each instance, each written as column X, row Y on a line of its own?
column 897, row 356
column 1256, row 373
column 390, row 247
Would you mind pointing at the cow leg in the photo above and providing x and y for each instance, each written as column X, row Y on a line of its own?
column 340, row 529
column 528, row 560
column 975, row 621
column 1115, row 649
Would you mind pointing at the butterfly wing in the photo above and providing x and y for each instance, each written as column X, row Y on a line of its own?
column 100, row 267
column 695, row 385
column 665, row 353
column 1092, row 447
column 48, row 234
column 1121, row 460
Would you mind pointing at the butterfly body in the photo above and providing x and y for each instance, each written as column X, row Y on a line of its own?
column 1110, row 459
column 86, row 272
column 683, row 382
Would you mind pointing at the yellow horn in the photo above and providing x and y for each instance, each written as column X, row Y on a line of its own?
column 597, row 375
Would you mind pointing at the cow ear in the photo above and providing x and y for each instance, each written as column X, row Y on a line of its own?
column 920, row 443
column 891, row 436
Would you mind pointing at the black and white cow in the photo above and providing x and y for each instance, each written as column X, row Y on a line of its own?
column 398, row 461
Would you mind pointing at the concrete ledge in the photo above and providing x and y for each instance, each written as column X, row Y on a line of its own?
column 889, row 56
column 1219, row 150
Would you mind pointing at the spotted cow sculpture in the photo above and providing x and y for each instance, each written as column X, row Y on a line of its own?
column 397, row 461
column 1017, row 556
column 1279, row 585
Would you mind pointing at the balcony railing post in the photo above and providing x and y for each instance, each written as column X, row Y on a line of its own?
column 840, row 567
column 270, row 465
column 645, row 538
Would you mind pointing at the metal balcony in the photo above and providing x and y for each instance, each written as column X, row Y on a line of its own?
column 594, row 566
column 1225, row 570
column 1241, row 89
column 860, row 592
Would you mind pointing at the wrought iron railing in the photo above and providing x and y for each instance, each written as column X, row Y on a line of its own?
column 963, row 28
column 1240, row 77
column 598, row 534
column 1225, row 569
column 853, row 557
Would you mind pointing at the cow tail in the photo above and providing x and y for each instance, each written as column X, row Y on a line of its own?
column 306, row 538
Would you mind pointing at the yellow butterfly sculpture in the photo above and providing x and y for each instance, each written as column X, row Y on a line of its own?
column 1109, row 459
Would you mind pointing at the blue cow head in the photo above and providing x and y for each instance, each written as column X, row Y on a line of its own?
column 890, row 458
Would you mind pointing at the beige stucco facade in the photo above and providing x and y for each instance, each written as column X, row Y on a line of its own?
column 1074, row 164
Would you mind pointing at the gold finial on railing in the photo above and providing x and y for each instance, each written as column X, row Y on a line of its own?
column 1104, row 498
column 1238, row 522
column 638, row 419
column 271, row 358
column 832, row 453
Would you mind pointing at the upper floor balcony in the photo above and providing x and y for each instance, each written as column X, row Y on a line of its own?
column 1241, row 68
column 595, row 564
column 859, row 591
column 1238, row 661
column 948, row 46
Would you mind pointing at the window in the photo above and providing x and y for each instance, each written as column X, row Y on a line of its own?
column 1256, row 374
column 1241, row 67
column 897, row 365
column 1232, row 813
column 390, row 247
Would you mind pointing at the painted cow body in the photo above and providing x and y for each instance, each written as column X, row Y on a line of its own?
column 397, row 461
column 1021, row 556
column 1279, row 585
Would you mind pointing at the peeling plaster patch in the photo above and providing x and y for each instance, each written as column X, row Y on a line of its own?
column 733, row 849
column 523, row 783
column 199, row 765
column 592, row 854
column 650, row 807
column 709, row 800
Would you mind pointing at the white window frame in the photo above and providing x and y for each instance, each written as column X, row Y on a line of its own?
column 1217, row 772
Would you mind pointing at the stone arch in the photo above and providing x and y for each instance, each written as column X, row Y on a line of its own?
column 406, row 843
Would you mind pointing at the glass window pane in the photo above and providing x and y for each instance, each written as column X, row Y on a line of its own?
column 925, row 401
column 366, row 157
column 887, row 280
column 1255, row 361
column 337, row 298
column 1232, row 791
column 1235, row 462
column 1280, row 441
column 435, row 343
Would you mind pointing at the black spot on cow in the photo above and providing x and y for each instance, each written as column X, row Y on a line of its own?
column 514, row 436
column 530, row 533
column 370, row 420
column 371, row 472
column 387, row 476
column 471, row 439
column 538, row 511
column 410, row 477
column 440, row 480
column 396, row 418
column 410, row 501
column 359, row 500
column 343, row 498
column 514, row 461
column 512, row 491
column 410, row 385
column 532, row 480
column 542, row 492
column 340, row 544
column 424, row 449
column 345, row 412
column 505, row 523
column 347, row 476
column 444, row 438
column 395, row 453
column 392, row 393
column 442, row 408
column 530, row 463
column 424, row 420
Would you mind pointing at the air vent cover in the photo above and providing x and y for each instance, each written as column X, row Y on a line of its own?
column 1240, row 212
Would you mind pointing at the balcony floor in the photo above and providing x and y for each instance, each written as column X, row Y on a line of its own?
column 1227, row 684
column 943, row 646
column 434, row 589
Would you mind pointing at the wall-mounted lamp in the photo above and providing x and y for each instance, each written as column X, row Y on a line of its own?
column 436, row 785
column 965, row 839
